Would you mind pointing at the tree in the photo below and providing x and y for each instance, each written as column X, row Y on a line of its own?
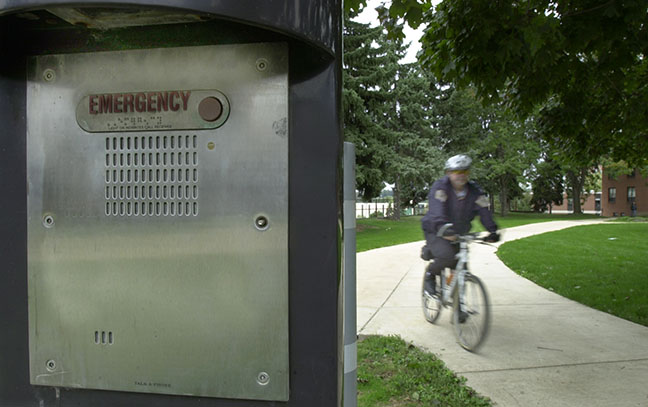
column 389, row 112
column 547, row 185
column 580, row 177
column 507, row 152
column 583, row 61
column 416, row 160
column 502, row 147
column 368, row 75
column 459, row 119
column 614, row 169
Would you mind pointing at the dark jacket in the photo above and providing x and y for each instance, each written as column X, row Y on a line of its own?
column 445, row 207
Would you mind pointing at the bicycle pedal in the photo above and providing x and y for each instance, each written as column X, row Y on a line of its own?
column 429, row 296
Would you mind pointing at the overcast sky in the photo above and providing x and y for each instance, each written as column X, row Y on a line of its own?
column 370, row 16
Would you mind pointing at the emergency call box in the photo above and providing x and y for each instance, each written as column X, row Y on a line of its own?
column 158, row 220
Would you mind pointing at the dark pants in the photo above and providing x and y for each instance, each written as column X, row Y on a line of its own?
column 444, row 255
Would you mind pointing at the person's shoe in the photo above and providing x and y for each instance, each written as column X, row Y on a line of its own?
column 463, row 316
column 430, row 286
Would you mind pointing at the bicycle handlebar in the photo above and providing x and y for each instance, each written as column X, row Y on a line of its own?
column 470, row 237
column 466, row 237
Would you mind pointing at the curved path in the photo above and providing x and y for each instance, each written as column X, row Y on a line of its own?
column 542, row 350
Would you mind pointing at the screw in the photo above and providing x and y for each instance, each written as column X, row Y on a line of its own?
column 263, row 378
column 50, row 365
column 261, row 64
column 49, row 75
column 48, row 221
column 261, row 222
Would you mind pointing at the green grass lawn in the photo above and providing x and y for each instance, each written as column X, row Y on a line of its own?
column 394, row 373
column 602, row 266
column 374, row 233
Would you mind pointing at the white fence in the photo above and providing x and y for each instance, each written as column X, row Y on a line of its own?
column 384, row 209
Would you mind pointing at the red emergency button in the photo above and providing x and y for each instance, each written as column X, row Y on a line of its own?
column 210, row 109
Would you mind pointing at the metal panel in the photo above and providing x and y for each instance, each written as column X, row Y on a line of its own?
column 158, row 260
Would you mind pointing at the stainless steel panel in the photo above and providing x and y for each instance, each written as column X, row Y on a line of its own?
column 158, row 260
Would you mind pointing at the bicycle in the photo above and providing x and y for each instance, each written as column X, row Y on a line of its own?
column 467, row 296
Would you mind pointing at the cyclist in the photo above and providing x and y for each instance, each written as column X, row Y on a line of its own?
column 453, row 203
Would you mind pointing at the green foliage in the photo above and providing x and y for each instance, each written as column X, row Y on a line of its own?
column 506, row 152
column 522, row 202
column 547, row 185
column 388, row 115
column 602, row 266
column 503, row 147
column 412, row 11
column 616, row 168
column 416, row 159
column 392, row 372
column 370, row 67
column 583, row 61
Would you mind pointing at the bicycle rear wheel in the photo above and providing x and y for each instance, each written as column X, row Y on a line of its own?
column 431, row 305
column 471, row 313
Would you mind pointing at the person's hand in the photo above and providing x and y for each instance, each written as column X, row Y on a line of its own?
column 492, row 238
column 451, row 238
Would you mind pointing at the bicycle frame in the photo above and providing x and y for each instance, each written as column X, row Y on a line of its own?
column 466, row 295
column 447, row 292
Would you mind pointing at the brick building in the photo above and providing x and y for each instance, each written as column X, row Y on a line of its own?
column 592, row 204
column 620, row 192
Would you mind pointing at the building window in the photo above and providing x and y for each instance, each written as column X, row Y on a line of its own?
column 612, row 194
column 631, row 194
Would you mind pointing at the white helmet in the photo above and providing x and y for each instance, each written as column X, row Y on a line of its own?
column 458, row 162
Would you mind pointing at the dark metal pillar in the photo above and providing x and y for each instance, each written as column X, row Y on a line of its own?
column 313, row 32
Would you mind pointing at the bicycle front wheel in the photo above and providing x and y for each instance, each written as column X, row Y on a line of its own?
column 471, row 313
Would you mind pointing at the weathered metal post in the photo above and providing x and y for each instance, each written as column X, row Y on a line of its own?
column 350, row 317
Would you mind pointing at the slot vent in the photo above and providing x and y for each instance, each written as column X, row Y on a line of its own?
column 104, row 338
column 151, row 176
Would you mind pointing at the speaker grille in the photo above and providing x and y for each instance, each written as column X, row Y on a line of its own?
column 151, row 176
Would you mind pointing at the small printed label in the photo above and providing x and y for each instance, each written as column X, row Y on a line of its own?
column 151, row 384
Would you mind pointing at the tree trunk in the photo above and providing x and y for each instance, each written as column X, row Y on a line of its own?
column 576, row 201
column 503, row 195
column 397, row 199
column 576, row 182
column 550, row 208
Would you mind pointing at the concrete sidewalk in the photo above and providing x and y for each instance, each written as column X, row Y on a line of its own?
column 542, row 349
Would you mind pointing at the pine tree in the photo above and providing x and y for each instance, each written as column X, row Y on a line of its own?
column 388, row 115
column 368, row 77
column 417, row 160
